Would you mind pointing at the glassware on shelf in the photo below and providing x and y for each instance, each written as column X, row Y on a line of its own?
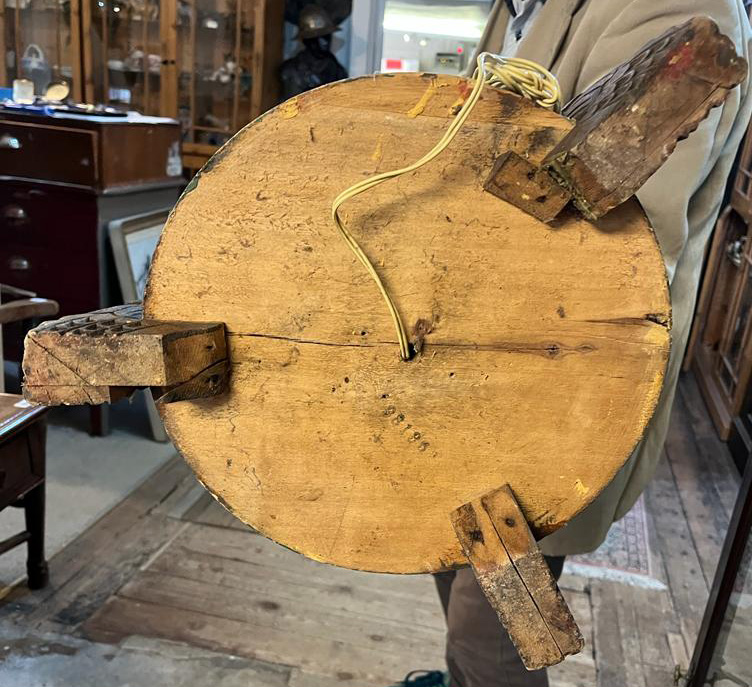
column 38, row 37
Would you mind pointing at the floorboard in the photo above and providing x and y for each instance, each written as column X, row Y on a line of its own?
column 687, row 587
column 705, row 509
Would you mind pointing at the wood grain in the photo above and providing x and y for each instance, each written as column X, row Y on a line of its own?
column 513, row 575
column 543, row 347
column 107, row 354
column 518, row 541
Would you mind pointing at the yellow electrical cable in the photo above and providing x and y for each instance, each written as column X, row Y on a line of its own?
column 524, row 77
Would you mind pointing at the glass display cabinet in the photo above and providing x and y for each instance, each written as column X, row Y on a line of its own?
column 722, row 350
column 226, row 68
column 720, row 347
column 212, row 64
column 121, row 53
column 40, row 41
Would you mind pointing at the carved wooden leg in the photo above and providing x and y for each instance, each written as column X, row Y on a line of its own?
column 625, row 125
column 514, row 577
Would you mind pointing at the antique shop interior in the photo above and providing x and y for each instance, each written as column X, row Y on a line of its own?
column 310, row 309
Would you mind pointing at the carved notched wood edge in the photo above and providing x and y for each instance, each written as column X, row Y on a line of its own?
column 106, row 355
column 625, row 125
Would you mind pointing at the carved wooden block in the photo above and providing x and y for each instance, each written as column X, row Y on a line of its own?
column 512, row 528
column 628, row 122
column 105, row 355
column 515, row 578
column 529, row 187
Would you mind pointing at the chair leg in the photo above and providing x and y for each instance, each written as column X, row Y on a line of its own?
column 36, row 565
column 99, row 421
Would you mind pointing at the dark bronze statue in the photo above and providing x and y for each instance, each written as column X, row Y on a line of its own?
column 315, row 64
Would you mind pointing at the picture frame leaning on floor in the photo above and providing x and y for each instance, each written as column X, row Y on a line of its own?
column 134, row 240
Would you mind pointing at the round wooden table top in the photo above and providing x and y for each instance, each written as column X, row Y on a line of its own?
column 544, row 346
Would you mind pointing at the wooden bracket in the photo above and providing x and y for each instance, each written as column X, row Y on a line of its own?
column 515, row 578
column 529, row 186
column 106, row 355
column 626, row 124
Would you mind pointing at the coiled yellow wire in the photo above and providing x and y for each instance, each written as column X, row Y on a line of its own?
column 524, row 77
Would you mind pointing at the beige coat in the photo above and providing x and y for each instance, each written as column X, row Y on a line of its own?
column 580, row 41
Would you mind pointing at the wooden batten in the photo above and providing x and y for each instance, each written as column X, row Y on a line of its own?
column 630, row 110
column 105, row 355
column 515, row 578
column 529, row 187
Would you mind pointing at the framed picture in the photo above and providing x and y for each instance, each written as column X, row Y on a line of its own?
column 134, row 240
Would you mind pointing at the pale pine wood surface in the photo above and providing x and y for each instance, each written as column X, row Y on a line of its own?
column 546, row 344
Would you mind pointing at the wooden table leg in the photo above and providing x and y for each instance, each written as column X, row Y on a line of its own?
column 36, row 564
column 513, row 575
column 34, row 506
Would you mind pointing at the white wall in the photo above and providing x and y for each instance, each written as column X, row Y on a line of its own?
column 367, row 35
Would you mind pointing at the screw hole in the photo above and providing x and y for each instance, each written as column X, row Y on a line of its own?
column 412, row 352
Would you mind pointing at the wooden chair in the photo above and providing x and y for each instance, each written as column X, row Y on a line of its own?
column 17, row 305
column 22, row 447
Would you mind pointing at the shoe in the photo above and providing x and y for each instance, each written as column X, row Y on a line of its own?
column 424, row 678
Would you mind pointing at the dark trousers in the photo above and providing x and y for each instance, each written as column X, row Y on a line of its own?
column 479, row 652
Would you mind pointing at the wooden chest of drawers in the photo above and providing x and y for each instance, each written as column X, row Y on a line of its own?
column 51, row 243
column 96, row 153
column 61, row 182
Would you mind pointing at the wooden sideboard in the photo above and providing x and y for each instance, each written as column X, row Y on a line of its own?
column 62, row 181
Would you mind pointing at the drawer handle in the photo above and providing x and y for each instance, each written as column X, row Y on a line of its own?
column 9, row 142
column 15, row 212
column 19, row 264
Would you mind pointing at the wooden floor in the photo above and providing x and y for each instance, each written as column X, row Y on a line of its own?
column 170, row 563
